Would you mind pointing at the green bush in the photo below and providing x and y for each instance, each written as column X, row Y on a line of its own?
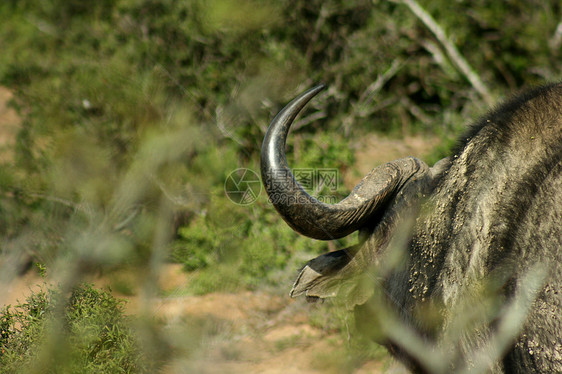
column 236, row 246
column 84, row 333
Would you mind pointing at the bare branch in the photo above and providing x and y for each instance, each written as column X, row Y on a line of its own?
column 381, row 80
column 439, row 57
column 322, row 16
column 416, row 111
column 556, row 41
column 221, row 122
column 450, row 48
column 309, row 119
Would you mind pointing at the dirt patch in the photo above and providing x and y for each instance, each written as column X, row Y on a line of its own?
column 10, row 124
column 255, row 332
column 374, row 150
column 234, row 308
column 19, row 289
column 244, row 332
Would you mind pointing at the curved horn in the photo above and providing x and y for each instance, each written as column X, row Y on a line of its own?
column 305, row 213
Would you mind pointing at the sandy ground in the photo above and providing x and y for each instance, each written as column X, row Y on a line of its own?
column 374, row 150
column 9, row 124
column 252, row 332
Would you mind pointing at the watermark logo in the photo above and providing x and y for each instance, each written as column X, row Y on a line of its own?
column 327, row 178
column 242, row 186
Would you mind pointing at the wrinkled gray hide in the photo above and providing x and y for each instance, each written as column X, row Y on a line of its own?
column 458, row 266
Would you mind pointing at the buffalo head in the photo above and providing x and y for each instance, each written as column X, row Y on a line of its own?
column 480, row 229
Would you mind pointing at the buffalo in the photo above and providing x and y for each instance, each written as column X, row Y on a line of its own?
column 458, row 266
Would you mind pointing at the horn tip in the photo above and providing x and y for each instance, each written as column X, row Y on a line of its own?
column 319, row 87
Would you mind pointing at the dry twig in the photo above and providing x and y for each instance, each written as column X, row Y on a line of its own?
column 450, row 48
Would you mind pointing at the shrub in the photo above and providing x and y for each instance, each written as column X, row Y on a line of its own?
column 83, row 333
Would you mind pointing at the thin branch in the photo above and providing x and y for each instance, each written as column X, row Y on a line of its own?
column 416, row 111
column 322, row 16
column 556, row 41
column 381, row 80
column 365, row 106
column 450, row 48
column 220, row 122
column 439, row 57
column 177, row 200
column 308, row 120
column 69, row 203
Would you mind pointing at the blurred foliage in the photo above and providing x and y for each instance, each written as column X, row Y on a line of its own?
column 92, row 336
column 134, row 112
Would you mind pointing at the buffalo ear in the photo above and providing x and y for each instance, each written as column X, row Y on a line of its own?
column 333, row 274
column 314, row 278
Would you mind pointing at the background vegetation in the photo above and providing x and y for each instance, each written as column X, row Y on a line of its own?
column 134, row 112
